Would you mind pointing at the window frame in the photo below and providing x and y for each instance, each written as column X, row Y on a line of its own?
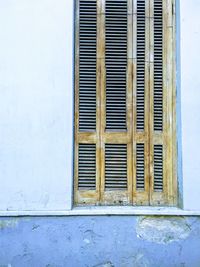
column 172, row 200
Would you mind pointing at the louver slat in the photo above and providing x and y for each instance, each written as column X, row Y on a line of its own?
column 140, row 101
column 115, row 167
column 158, row 168
column 87, row 65
column 140, row 167
column 116, row 64
column 87, row 167
column 158, row 65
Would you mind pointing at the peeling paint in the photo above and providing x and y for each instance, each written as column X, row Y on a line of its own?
column 8, row 224
column 137, row 260
column 87, row 241
column 100, row 241
column 140, row 261
column 162, row 230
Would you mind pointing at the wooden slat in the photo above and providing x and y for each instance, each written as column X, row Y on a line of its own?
column 173, row 194
column 129, row 101
column 76, row 104
column 171, row 104
column 101, row 88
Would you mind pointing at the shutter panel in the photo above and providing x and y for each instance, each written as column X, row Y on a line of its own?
column 158, row 168
column 86, row 108
column 87, row 167
column 162, row 191
column 141, row 103
column 116, row 64
column 87, row 65
column 154, row 105
column 116, row 167
column 157, row 102
column 140, row 167
column 116, row 160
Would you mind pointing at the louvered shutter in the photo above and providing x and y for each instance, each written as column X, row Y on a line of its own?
column 116, row 162
column 141, row 179
column 124, row 102
column 154, row 146
column 162, row 104
column 86, row 99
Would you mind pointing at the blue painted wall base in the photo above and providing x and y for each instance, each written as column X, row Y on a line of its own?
column 101, row 241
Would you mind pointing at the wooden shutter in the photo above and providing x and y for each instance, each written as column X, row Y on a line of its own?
column 125, row 102
column 162, row 103
column 154, row 147
column 116, row 112
column 141, row 179
column 86, row 99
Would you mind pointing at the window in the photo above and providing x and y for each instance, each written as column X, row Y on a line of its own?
column 125, row 123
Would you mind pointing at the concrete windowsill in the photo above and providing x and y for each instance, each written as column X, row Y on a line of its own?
column 93, row 211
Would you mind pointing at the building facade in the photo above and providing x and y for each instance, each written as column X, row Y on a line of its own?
column 39, row 224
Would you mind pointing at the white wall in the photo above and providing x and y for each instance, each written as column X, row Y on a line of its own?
column 35, row 104
column 36, row 96
column 190, row 91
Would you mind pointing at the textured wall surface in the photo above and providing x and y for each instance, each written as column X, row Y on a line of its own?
column 36, row 99
column 104, row 241
column 190, row 95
